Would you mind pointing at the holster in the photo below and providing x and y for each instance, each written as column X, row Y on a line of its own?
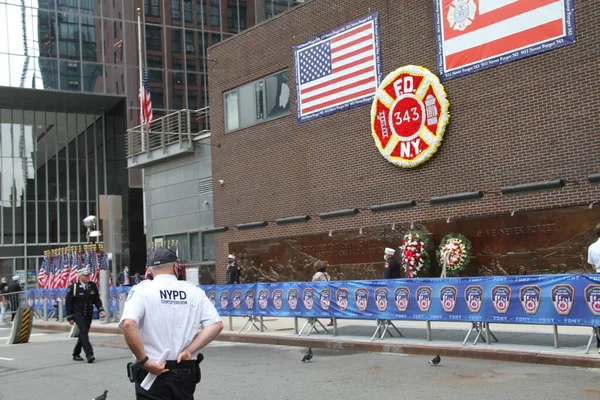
column 137, row 374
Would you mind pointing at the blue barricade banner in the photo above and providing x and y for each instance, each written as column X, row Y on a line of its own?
column 539, row 299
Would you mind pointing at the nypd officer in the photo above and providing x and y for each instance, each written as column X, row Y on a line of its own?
column 82, row 296
column 168, row 314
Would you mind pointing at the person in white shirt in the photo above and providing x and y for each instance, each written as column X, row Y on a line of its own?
column 594, row 260
column 594, row 251
column 168, row 314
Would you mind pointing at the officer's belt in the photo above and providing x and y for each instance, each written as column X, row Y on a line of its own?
column 184, row 364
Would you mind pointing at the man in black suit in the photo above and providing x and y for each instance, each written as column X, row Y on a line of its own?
column 82, row 296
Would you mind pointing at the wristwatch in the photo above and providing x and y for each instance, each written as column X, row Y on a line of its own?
column 143, row 360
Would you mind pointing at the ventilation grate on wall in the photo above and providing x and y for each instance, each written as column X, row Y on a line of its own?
column 205, row 186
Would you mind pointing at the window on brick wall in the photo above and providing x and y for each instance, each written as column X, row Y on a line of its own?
column 257, row 102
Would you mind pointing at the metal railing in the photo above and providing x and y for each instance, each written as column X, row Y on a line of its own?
column 178, row 127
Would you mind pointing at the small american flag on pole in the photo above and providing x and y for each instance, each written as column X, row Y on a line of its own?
column 145, row 101
column 338, row 70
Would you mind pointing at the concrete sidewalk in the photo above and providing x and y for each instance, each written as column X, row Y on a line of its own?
column 521, row 343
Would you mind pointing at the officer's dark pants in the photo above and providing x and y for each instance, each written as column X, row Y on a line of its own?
column 83, row 323
column 177, row 384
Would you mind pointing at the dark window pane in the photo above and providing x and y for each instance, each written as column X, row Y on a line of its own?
column 215, row 19
column 278, row 94
column 189, row 42
column 187, row 10
column 176, row 41
column 201, row 12
column 151, row 8
column 153, row 38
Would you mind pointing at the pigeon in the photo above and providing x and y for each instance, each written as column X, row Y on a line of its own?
column 308, row 356
column 102, row 396
column 435, row 360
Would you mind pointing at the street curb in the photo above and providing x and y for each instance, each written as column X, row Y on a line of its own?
column 380, row 347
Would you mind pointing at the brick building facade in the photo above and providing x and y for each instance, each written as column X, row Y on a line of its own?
column 531, row 120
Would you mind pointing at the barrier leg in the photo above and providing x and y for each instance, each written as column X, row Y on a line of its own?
column 322, row 326
column 262, row 325
column 376, row 334
column 60, row 310
column 303, row 326
column 335, row 327
column 555, row 329
column 45, row 311
column 397, row 330
column 296, row 325
column 429, row 331
column 230, row 323
column 486, row 326
column 469, row 333
column 587, row 349
column 479, row 329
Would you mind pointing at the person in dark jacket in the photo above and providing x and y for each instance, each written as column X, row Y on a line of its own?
column 13, row 292
column 233, row 270
column 392, row 266
column 82, row 296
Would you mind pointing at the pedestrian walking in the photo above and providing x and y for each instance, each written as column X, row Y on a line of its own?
column 320, row 276
column 82, row 296
column 165, row 315
column 13, row 292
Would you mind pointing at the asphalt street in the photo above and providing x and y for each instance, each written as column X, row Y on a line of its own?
column 43, row 369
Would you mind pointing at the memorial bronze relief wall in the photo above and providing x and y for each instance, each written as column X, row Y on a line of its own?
column 537, row 242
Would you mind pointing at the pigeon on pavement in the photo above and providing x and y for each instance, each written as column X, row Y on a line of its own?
column 308, row 356
column 435, row 360
column 102, row 396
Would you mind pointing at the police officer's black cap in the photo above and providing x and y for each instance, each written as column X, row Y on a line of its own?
column 162, row 255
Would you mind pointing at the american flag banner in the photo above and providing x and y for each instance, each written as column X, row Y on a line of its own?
column 74, row 267
column 42, row 277
column 473, row 35
column 338, row 70
column 145, row 101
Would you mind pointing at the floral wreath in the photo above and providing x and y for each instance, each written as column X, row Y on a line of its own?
column 454, row 253
column 414, row 257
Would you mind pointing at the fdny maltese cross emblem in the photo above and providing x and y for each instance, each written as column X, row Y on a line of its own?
column 592, row 298
column 461, row 14
column 263, row 298
column 293, row 298
column 362, row 298
column 325, row 299
column 307, row 298
column 381, row 295
column 236, row 299
column 341, row 298
column 401, row 296
column 474, row 298
column 424, row 295
column 212, row 296
column 562, row 298
column 224, row 299
column 249, row 298
column 278, row 298
column 501, row 298
column 530, row 297
column 448, row 296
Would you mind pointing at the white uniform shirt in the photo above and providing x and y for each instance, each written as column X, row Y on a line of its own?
column 594, row 255
column 169, row 313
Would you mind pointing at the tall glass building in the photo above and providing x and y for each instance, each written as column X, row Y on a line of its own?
column 68, row 92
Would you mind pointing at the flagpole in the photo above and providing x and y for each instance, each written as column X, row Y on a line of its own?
column 141, row 76
column 139, row 11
